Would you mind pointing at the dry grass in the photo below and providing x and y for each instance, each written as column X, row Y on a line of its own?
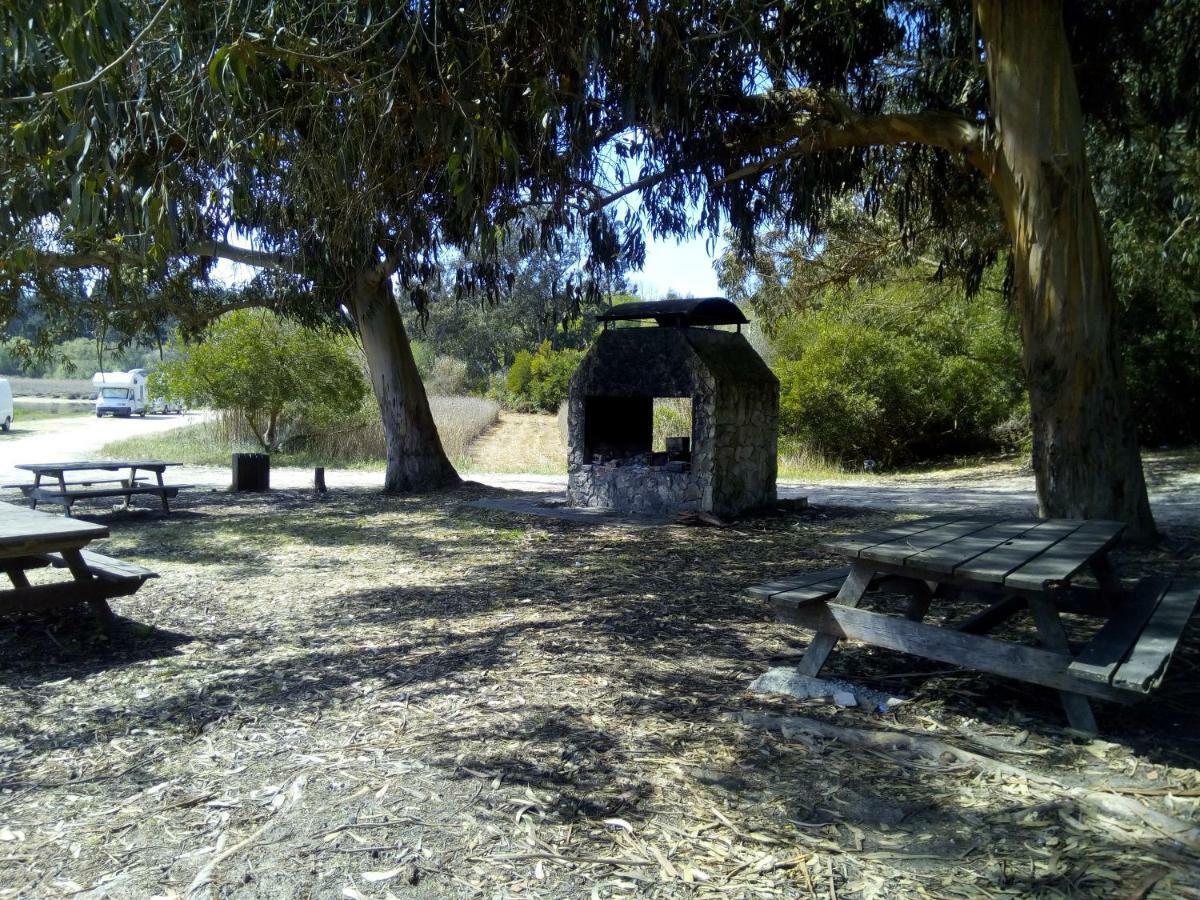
column 63, row 388
column 26, row 412
column 362, row 696
column 459, row 420
column 521, row 442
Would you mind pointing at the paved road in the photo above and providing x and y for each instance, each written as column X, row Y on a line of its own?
column 71, row 438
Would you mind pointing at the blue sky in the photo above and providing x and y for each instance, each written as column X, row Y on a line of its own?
column 683, row 267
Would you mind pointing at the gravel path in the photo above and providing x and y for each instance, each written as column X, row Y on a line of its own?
column 1173, row 476
column 1174, row 480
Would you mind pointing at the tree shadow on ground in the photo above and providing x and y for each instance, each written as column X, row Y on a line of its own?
column 73, row 643
column 595, row 668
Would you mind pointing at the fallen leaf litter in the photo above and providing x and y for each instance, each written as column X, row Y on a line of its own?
column 362, row 696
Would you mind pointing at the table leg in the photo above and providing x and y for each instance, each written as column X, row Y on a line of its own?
column 62, row 486
column 1054, row 638
column 922, row 594
column 1108, row 579
column 37, row 482
column 851, row 594
column 163, row 493
column 80, row 572
column 16, row 575
column 132, row 484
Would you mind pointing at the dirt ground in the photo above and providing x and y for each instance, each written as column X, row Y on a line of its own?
column 357, row 696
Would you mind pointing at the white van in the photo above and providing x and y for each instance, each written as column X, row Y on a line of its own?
column 6, row 406
column 120, row 393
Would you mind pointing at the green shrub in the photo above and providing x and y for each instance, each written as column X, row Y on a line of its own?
column 423, row 357
column 280, row 379
column 538, row 381
column 898, row 382
column 550, row 374
column 519, row 373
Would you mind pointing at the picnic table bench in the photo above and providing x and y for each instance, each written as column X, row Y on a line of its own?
column 30, row 540
column 1011, row 565
column 65, row 492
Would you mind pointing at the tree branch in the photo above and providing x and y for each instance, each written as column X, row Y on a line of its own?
column 943, row 130
column 111, row 256
column 259, row 259
column 100, row 73
column 814, row 134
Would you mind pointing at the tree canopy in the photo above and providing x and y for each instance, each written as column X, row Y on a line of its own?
column 354, row 145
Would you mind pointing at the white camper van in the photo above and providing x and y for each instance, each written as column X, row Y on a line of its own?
column 120, row 393
column 6, row 406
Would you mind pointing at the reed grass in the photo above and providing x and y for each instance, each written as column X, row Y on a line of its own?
column 359, row 443
column 672, row 418
column 799, row 462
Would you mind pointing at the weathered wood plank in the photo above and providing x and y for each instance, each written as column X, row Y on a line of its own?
column 794, row 582
column 1112, row 643
column 1148, row 660
column 899, row 551
column 994, row 565
column 1030, row 664
column 821, row 591
column 54, row 596
column 853, row 545
column 56, row 495
column 106, row 567
column 85, row 482
column 106, row 465
column 850, row 593
column 952, row 554
column 27, row 532
column 1061, row 561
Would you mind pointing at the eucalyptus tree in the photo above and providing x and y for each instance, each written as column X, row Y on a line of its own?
column 771, row 111
column 354, row 146
column 348, row 142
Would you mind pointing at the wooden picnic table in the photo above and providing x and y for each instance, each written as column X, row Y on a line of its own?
column 1010, row 564
column 68, row 492
column 30, row 539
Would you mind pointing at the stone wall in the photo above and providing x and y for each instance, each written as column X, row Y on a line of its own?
column 735, row 403
column 634, row 489
column 746, row 448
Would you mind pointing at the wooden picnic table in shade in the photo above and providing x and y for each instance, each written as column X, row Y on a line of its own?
column 90, row 487
column 30, row 539
column 1007, row 565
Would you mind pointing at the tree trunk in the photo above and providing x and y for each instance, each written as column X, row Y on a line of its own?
column 415, row 458
column 270, row 442
column 1085, row 449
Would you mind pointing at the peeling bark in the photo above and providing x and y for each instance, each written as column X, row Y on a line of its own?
column 415, row 458
column 1085, row 449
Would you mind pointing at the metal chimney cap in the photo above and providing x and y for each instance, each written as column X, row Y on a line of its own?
column 694, row 311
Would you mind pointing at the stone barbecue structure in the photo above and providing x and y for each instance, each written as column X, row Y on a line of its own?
column 727, row 465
